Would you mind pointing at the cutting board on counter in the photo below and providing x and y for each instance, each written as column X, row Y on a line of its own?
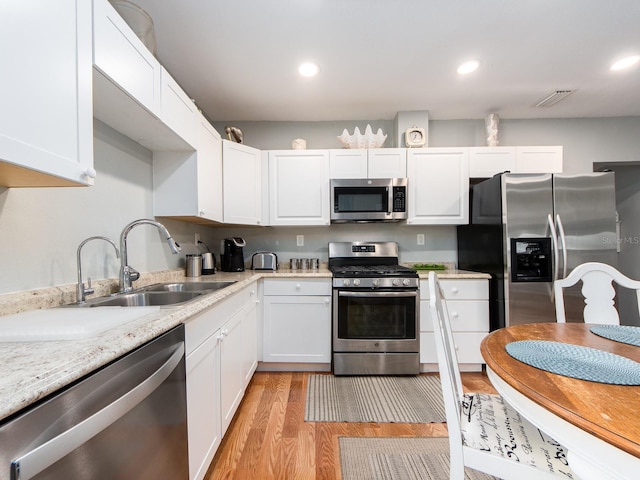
column 67, row 323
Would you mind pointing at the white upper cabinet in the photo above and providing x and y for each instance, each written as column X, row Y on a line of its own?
column 486, row 162
column 178, row 111
column 539, row 159
column 299, row 187
column 438, row 187
column 371, row 163
column 242, row 180
column 129, row 84
column 46, row 129
column 122, row 57
column 188, row 185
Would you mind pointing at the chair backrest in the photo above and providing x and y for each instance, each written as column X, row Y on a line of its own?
column 449, row 373
column 598, row 291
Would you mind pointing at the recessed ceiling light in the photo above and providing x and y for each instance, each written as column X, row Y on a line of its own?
column 625, row 62
column 468, row 67
column 308, row 69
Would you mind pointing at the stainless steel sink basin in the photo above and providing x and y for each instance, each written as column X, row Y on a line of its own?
column 187, row 287
column 146, row 299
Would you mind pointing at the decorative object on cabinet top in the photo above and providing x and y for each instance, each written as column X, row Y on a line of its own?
column 491, row 124
column 139, row 20
column 234, row 134
column 358, row 140
column 415, row 137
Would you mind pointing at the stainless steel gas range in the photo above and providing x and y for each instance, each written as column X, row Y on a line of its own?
column 375, row 314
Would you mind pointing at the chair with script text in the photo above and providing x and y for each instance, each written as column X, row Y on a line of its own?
column 486, row 433
column 598, row 291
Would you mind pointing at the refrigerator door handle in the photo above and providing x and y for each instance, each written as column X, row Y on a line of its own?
column 554, row 240
column 563, row 243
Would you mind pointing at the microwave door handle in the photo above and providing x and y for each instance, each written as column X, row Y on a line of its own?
column 43, row 456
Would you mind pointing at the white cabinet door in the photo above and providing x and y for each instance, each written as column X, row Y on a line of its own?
column 231, row 372
column 485, row 162
column 539, row 159
column 297, row 329
column 387, row 163
column 438, row 187
column 46, row 120
column 209, row 174
column 348, row 163
column 299, row 187
column 122, row 57
column 178, row 111
column 203, row 405
column 242, row 180
column 371, row 163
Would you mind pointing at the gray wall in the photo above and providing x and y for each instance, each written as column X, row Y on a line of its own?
column 41, row 228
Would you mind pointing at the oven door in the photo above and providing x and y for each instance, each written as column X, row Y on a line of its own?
column 379, row 321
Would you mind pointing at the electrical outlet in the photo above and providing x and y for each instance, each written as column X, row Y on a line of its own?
column 300, row 240
column 420, row 239
column 196, row 239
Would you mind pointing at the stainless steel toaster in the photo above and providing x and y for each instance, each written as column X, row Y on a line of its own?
column 264, row 261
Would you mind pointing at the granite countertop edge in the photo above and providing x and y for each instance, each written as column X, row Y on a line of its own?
column 33, row 370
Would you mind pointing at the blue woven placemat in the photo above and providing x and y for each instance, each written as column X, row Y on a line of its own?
column 576, row 361
column 618, row 333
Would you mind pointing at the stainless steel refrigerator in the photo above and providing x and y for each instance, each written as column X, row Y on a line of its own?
column 529, row 230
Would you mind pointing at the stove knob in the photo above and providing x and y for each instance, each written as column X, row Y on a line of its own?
column 356, row 282
column 375, row 282
column 396, row 282
column 406, row 282
column 346, row 282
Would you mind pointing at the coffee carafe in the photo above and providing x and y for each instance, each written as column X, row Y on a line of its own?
column 232, row 256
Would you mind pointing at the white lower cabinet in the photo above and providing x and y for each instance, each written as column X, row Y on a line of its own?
column 467, row 301
column 221, row 345
column 297, row 321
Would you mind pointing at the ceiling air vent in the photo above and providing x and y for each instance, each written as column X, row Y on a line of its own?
column 554, row 98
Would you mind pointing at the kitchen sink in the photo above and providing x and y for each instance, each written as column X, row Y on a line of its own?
column 187, row 287
column 145, row 299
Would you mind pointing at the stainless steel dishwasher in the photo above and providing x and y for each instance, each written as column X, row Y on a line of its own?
column 127, row 420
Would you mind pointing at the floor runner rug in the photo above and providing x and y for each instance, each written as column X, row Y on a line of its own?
column 398, row 459
column 381, row 399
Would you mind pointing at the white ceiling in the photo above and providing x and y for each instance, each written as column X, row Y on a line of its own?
column 238, row 59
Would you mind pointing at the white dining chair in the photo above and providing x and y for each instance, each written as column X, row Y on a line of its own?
column 598, row 291
column 486, row 433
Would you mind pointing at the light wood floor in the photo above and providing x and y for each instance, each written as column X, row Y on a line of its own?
column 269, row 439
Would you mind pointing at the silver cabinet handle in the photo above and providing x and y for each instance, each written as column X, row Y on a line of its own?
column 31, row 464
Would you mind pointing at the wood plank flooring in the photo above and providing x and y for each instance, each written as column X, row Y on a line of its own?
column 269, row 439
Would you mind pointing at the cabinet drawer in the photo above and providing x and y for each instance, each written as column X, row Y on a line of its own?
column 465, row 316
column 201, row 326
column 467, row 347
column 455, row 289
column 296, row 286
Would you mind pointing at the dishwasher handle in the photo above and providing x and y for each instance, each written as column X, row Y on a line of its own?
column 32, row 463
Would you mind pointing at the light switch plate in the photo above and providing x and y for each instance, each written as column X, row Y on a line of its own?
column 300, row 240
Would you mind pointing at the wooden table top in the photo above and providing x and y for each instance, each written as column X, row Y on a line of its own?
column 609, row 412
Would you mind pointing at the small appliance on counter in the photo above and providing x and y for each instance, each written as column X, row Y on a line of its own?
column 208, row 260
column 264, row 261
column 232, row 256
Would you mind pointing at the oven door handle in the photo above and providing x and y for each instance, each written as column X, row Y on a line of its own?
column 374, row 293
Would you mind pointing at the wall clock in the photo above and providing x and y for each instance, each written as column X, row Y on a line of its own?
column 415, row 137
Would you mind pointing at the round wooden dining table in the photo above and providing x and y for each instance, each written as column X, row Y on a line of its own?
column 598, row 423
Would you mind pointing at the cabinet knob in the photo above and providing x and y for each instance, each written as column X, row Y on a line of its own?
column 298, row 286
column 201, row 213
column 454, row 314
column 454, row 290
column 90, row 172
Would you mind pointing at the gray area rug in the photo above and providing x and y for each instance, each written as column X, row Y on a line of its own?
column 374, row 399
column 398, row 459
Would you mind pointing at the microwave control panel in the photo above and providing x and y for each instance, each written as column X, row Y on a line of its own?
column 400, row 199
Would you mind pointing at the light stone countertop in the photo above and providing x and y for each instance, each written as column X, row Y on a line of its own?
column 32, row 370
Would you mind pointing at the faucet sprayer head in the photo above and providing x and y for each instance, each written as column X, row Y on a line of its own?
column 174, row 246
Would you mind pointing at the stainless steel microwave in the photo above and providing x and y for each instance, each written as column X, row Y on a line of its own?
column 368, row 200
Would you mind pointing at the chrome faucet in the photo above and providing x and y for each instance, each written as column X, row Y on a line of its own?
column 127, row 273
column 81, row 291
